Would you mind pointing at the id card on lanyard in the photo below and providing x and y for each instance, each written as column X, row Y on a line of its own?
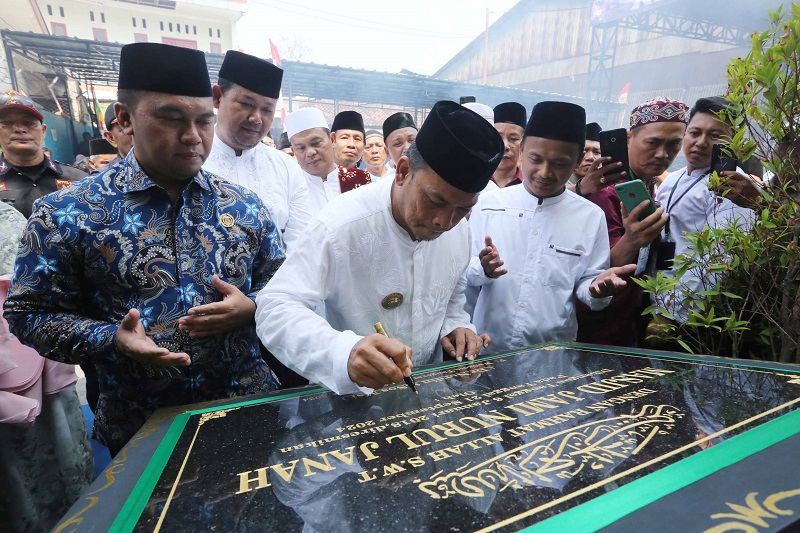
column 665, row 253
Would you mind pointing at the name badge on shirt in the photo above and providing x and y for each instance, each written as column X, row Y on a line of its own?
column 227, row 220
column 392, row 300
column 62, row 184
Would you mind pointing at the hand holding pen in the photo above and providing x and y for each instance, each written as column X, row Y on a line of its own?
column 377, row 360
column 408, row 379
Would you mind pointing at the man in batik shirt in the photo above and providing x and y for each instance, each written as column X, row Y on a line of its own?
column 150, row 269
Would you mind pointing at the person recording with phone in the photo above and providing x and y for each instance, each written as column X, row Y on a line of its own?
column 654, row 139
column 690, row 203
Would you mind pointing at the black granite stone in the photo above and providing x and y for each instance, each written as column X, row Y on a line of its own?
column 501, row 443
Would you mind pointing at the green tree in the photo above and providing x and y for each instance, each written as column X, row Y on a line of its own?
column 749, row 305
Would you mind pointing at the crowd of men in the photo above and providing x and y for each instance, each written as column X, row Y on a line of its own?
column 198, row 262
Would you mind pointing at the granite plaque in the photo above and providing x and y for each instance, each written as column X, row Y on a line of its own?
column 499, row 444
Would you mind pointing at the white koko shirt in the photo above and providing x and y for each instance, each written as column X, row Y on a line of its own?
column 274, row 176
column 321, row 192
column 553, row 248
column 351, row 257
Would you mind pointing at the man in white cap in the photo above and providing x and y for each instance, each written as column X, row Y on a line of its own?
column 245, row 97
column 311, row 143
column 393, row 253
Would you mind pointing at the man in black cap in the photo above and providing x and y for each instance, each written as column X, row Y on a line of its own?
column 149, row 270
column 26, row 174
column 509, row 121
column 101, row 153
column 245, row 97
column 122, row 141
column 399, row 131
column 375, row 155
column 395, row 253
column 347, row 136
column 552, row 242
column 591, row 152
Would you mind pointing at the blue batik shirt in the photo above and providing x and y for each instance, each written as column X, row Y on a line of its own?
column 116, row 241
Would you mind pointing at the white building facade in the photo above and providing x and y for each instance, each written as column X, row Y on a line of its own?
column 206, row 25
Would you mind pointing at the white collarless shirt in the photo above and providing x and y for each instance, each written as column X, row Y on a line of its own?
column 553, row 248
column 354, row 255
column 321, row 192
column 274, row 176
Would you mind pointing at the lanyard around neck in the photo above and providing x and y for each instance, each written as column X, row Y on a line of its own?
column 670, row 205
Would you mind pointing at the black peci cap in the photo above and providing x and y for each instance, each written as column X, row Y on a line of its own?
column 101, row 146
column 162, row 68
column 593, row 130
column 558, row 121
column 512, row 113
column 348, row 120
column 396, row 122
column 252, row 73
column 460, row 146
column 283, row 141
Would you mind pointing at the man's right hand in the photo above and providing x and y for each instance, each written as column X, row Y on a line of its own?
column 602, row 172
column 490, row 260
column 643, row 232
column 134, row 343
column 377, row 360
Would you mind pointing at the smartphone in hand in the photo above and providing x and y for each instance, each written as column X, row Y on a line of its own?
column 720, row 161
column 632, row 193
column 614, row 144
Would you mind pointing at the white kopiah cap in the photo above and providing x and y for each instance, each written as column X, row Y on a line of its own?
column 304, row 119
column 483, row 110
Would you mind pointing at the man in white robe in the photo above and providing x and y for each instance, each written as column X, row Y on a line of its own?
column 310, row 138
column 394, row 253
column 553, row 243
column 245, row 97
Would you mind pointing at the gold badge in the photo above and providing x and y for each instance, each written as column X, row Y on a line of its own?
column 392, row 300
column 227, row 220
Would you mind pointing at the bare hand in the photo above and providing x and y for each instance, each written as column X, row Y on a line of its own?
column 643, row 232
column 738, row 188
column 465, row 342
column 611, row 281
column 235, row 310
column 377, row 360
column 134, row 343
column 490, row 260
column 601, row 173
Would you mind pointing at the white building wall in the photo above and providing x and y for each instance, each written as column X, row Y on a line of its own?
column 206, row 26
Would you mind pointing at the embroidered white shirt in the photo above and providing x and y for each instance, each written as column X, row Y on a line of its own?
column 352, row 256
column 274, row 176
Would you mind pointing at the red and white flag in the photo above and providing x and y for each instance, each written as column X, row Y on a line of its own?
column 276, row 57
column 623, row 95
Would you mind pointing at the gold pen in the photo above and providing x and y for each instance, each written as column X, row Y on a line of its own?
column 409, row 380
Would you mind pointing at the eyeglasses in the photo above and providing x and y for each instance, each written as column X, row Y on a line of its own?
column 27, row 124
